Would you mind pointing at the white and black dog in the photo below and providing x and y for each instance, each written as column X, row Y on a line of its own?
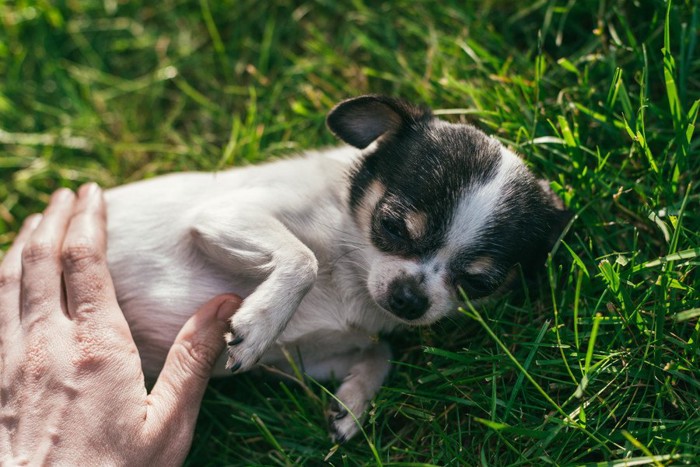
column 334, row 248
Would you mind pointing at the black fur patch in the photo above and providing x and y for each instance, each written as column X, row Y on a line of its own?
column 425, row 165
column 425, row 168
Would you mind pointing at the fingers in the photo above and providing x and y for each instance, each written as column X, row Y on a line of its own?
column 180, row 387
column 11, row 273
column 88, row 283
column 41, row 267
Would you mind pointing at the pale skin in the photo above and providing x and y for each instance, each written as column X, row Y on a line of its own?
column 71, row 387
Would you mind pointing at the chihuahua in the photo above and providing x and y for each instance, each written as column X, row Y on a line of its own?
column 332, row 249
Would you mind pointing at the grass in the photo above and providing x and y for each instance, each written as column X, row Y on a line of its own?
column 600, row 365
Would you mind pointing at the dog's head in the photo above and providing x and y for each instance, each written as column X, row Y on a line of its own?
column 444, row 207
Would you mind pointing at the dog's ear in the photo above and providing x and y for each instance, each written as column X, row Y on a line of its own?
column 361, row 120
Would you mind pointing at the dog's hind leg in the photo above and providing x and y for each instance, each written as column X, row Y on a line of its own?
column 360, row 385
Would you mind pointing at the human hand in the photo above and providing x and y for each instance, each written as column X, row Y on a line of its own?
column 72, row 391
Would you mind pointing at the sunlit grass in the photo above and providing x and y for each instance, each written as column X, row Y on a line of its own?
column 599, row 365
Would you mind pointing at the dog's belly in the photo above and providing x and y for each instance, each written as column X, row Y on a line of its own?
column 156, row 310
column 158, row 299
column 317, row 337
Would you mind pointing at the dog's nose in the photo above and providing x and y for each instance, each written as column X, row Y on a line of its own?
column 407, row 300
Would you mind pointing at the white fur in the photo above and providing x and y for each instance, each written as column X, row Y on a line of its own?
column 164, row 270
column 278, row 234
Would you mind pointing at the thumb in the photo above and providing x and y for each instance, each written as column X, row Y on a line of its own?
column 187, row 368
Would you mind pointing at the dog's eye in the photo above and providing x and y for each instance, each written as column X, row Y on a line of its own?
column 474, row 285
column 394, row 227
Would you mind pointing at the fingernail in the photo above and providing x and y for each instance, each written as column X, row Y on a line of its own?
column 89, row 190
column 227, row 309
column 32, row 221
column 61, row 195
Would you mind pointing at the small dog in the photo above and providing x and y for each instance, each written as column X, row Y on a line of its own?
column 332, row 249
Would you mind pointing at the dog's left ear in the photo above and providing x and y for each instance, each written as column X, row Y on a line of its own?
column 361, row 120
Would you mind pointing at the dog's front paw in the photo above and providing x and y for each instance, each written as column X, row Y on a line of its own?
column 246, row 343
column 345, row 420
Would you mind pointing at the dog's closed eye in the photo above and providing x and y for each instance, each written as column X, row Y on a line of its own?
column 393, row 228
column 475, row 285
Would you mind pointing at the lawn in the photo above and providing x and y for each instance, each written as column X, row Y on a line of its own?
column 599, row 364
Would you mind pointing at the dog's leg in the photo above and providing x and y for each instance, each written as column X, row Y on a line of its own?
column 361, row 384
column 259, row 246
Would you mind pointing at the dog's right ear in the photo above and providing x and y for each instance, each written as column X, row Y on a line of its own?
column 361, row 120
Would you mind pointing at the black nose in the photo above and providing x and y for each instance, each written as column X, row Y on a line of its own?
column 407, row 300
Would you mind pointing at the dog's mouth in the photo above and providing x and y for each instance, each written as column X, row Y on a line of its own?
column 395, row 317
